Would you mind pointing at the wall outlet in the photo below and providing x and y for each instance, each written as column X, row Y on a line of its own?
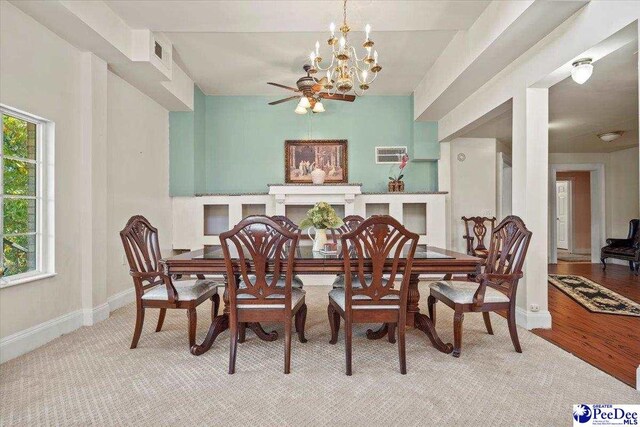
column 534, row 307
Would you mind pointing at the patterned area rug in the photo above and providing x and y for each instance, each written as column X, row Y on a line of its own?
column 593, row 296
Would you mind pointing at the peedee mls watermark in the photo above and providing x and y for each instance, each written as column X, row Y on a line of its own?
column 606, row 415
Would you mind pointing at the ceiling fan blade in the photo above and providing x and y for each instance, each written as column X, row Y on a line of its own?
column 280, row 101
column 337, row 97
column 282, row 86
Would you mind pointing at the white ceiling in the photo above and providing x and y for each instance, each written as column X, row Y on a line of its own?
column 235, row 47
column 608, row 101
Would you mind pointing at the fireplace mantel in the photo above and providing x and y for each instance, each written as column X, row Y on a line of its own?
column 305, row 194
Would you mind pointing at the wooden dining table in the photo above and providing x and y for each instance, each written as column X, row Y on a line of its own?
column 432, row 261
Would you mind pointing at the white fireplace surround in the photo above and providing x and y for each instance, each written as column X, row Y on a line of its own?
column 198, row 220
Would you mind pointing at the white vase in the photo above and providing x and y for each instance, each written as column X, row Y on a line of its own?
column 318, row 176
column 319, row 239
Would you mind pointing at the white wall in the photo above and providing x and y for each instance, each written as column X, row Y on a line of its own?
column 473, row 184
column 137, row 172
column 621, row 185
column 44, row 75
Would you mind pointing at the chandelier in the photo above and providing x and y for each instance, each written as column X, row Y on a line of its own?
column 346, row 70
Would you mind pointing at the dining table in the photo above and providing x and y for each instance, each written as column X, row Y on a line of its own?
column 430, row 261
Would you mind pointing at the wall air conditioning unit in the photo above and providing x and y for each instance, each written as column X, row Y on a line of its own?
column 390, row 155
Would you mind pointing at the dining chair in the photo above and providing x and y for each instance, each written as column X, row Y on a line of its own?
column 153, row 288
column 349, row 223
column 370, row 295
column 476, row 229
column 494, row 289
column 256, row 257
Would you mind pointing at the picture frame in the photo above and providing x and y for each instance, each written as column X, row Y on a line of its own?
column 302, row 156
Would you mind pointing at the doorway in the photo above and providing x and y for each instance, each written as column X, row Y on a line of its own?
column 564, row 217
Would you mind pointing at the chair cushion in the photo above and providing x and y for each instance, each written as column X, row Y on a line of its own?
column 338, row 296
column 355, row 281
column 619, row 250
column 296, row 282
column 188, row 290
column 296, row 296
column 462, row 292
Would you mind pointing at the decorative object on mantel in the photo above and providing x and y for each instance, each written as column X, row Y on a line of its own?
column 301, row 158
column 396, row 184
column 345, row 66
column 317, row 176
column 320, row 217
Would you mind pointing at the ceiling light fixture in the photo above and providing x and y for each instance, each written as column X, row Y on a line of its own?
column 345, row 67
column 300, row 110
column 610, row 136
column 318, row 108
column 582, row 70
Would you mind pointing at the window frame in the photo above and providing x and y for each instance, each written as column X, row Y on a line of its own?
column 44, row 233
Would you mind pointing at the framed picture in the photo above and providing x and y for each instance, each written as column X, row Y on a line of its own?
column 301, row 157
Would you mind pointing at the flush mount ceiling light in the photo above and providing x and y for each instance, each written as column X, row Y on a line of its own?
column 610, row 136
column 582, row 70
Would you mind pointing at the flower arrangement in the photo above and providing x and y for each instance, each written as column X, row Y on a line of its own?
column 321, row 216
column 395, row 180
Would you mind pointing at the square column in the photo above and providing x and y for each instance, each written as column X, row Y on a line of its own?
column 531, row 201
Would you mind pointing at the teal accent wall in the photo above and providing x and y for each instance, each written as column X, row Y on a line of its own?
column 235, row 144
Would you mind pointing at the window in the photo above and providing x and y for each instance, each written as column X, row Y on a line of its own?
column 25, row 252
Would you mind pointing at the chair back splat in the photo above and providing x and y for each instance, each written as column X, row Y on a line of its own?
column 142, row 248
column 476, row 229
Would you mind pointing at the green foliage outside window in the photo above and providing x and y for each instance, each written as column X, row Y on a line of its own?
column 19, row 179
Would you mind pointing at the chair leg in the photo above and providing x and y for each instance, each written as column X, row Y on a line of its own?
column 513, row 331
column 487, row 322
column 431, row 304
column 604, row 264
column 402, row 352
column 391, row 331
column 138, row 328
column 631, row 266
column 637, row 268
column 193, row 322
column 458, row 317
column 163, row 311
column 233, row 346
column 301, row 318
column 334, row 323
column 287, row 345
column 215, row 305
column 348, row 334
column 242, row 332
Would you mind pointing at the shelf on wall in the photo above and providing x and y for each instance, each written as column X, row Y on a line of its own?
column 216, row 219
column 414, row 217
column 253, row 209
column 376, row 209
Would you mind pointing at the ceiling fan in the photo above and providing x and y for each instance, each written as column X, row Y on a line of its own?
column 309, row 89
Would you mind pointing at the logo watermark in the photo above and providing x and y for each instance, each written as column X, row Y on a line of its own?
column 606, row 415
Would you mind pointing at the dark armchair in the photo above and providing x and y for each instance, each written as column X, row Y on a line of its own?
column 625, row 249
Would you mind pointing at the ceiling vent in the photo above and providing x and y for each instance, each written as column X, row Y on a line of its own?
column 390, row 155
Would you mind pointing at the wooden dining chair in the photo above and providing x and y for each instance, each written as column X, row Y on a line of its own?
column 349, row 223
column 256, row 256
column 370, row 295
column 153, row 288
column 493, row 290
column 476, row 229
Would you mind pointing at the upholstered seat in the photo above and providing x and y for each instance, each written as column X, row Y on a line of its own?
column 338, row 295
column 296, row 296
column 296, row 282
column 188, row 290
column 462, row 292
column 625, row 249
column 355, row 281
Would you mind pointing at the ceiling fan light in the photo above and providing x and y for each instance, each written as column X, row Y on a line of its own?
column 318, row 108
column 610, row 136
column 304, row 103
column 582, row 70
column 300, row 110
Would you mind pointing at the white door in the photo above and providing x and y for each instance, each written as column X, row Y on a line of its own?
column 562, row 206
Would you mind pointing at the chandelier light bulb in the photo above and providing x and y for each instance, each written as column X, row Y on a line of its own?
column 364, row 75
column 300, row 110
column 318, row 108
column 582, row 70
column 367, row 29
column 312, row 57
column 332, row 28
column 375, row 56
column 343, row 42
column 304, row 102
column 317, row 48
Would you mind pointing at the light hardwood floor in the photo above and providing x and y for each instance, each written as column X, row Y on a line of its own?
column 608, row 342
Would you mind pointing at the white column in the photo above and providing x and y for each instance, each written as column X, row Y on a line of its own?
column 444, row 184
column 93, row 181
column 530, row 201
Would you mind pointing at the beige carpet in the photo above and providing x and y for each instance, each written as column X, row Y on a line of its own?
column 90, row 377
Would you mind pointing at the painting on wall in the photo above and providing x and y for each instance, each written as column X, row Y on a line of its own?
column 302, row 157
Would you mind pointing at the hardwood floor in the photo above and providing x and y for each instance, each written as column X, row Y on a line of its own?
column 608, row 342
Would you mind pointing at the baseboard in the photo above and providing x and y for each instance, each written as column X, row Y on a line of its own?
column 533, row 319
column 29, row 339
column 91, row 316
column 618, row 262
column 121, row 299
